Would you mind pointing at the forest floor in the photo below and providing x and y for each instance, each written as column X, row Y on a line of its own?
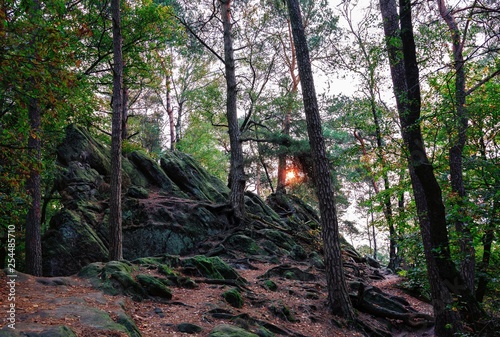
column 38, row 298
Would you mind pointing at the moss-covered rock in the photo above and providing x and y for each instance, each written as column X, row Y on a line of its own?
column 281, row 239
column 114, row 278
column 153, row 172
column 270, row 285
column 233, row 297
column 137, row 192
column 70, row 244
column 289, row 272
column 154, row 286
column 226, row 330
column 298, row 253
column 211, row 267
column 192, row 179
column 245, row 244
column 282, row 311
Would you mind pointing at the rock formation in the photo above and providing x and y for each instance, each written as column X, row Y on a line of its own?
column 176, row 216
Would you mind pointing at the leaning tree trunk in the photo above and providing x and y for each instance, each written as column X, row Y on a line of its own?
column 338, row 296
column 468, row 254
column 115, row 201
column 237, row 171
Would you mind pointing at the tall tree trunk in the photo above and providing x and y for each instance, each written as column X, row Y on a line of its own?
column 338, row 296
column 404, row 73
column 374, row 236
column 33, row 183
column 115, row 202
column 468, row 254
column 447, row 321
column 34, row 189
column 237, row 171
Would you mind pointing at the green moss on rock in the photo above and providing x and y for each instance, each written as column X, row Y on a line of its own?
column 270, row 285
column 154, row 286
column 211, row 267
column 233, row 297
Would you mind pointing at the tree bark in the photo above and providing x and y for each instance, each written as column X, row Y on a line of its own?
column 447, row 321
column 338, row 296
column 115, row 202
column 33, row 184
column 34, row 189
column 468, row 254
column 237, row 171
column 124, row 119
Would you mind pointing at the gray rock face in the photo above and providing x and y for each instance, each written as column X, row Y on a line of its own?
column 167, row 208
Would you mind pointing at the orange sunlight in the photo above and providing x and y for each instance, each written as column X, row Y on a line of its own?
column 291, row 176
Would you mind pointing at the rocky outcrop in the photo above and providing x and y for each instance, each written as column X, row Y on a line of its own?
column 170, row 206
column 159, row 216
column 177, row 234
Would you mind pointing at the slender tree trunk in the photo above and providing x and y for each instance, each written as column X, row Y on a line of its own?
column 488, row 238
column 178, row 123
column 170, row 113
column 115, row 202
column 34, row 189
column 124, row 120
column 33, row 183
column 468, row 254
column 338, row 296
column 237, row 171
column 387, row 205
column 374, row 238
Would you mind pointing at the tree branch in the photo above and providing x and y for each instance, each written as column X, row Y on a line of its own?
column 483, row 81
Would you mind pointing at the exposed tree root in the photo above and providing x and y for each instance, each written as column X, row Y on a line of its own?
column 373, row 301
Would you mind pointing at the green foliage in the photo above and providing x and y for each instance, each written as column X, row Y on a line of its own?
column 206, row 143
